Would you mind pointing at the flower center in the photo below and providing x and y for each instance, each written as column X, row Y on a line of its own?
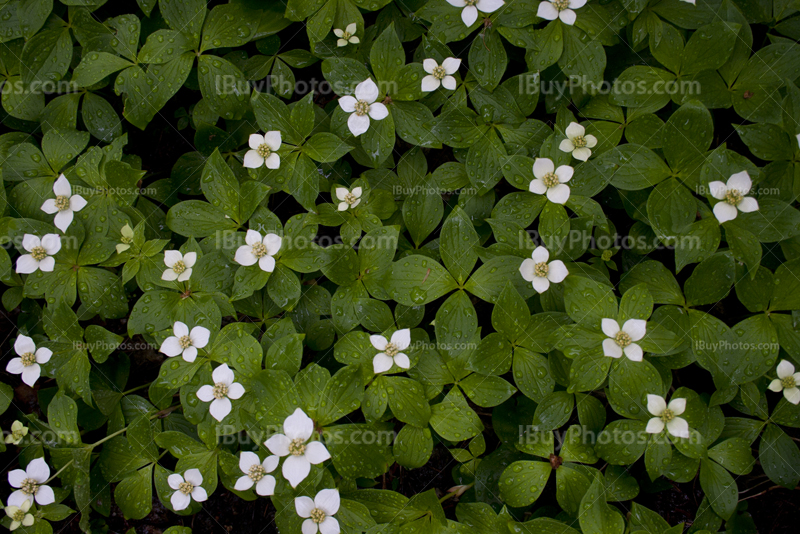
column 346, row 35
column 62, row 202
column 470, row 2
column 38, row 253
column 29, row 486
column 733, row 197
column 439, row 73
column 550, row 179
column 579, row 141
column 391, row 349
column 186, row 488
column 126, row 240
column 18, row 515
column 220, row 390
column 185, row 342
column 362, row 107
column 263, row 150
column 317, row 515
column 607, row 255
column 541, row 269
column 256, row 472
column 179, row 267
column 788, row 382
column 667, row 415
column 259, row 250
column 350, row 198
column 297, row 447
column 623, row 339
column 561, row 5
column 18, row 434
column 28, row 359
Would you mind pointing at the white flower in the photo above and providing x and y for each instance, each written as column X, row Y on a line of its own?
column 126, row 238
column 64, row 205
column 536, row 270
column 667, row 415
column 348, row 35
column 560, row 9
column 440, row 74
column 471, row 7
column 318, row 513
column 180, row 265
column 294, row 443
column 18, row 431
column 578, row 142
column 30, row 358
column 733, row 196
column 184, row 342
column 689, row 2
column 41, row 253
column 263, row 151
column 221, row 393
column 550, row 180
column 255, row 472
column 19, row 515
column 259, row 250
column 362, row 107
column 391, row 351
column 798, row 135
column 622, row 340
column 31, row 484
column 186, row 489
column 349, row 199
column 787, row 381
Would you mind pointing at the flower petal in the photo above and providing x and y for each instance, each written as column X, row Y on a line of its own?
column 255, row 140
column 656, row 404
column 633, row 352
column 248, row 459
column 303, row 506
column 30, row 242
column 557, row 271
column 298, row 426
column 223, row 375
column 199, row 494
column 266, row 486
column 610, row 327
column 379, row 342
column 49, row 206
column 543, row 166
column 329, row 526
column 15, row 367
column 26, row 264
column 367, row 91
column 316, row 452
column 273, row 161
column 489, row 6
column 792, row 395
column 558, row 194
column 171, row 257
column 45, row 496
column 252, row 159
column 747, row 205
column 328, row 501
column 448, row 82
column 267, row 264
column 220, row 408
column 25, row 344
column 678, row 427
column 537, row 186
column 243, row 483
column 677, row 406
column 401, row 360
column 206, row 393
column 717, row 189
column 382, row 363
column 430, row 83
column 199, row 336
column 636, row 328
column 378, row 111
column 180, row 501
column 540, row 254
column 785, row 368
column 574, row 130
column 724, row 212
column 469, row 15
column 252, row 238
column 527, row 270
column 273, row 139
column 541, row 284
column 278, row 444
column 51, row 243
column 295, row 469
column 741, row 182
column 31, row 374
column 451, row 65
column 244, row 256
column 428, row 65
column 611, row 349
column 654, row 426
column 180, row 329
column 401, row 339
column 567, row 16
column 174, row 481
column 235, row 391
column 547, row 11
column 566, row 146
column 348, row 104
column 189, row 354
column 358, row 124
column 582, row 154
column 564, row 173
column 273, row 243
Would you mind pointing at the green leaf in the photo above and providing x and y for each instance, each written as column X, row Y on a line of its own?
column 422, row 212
column 46, row 56
column 453, row 419
column 413, row 446
column 134, row 494
column 416, row 280
column 95, row 66
column 326, row 148
column 522, row 482
column 342, row 395
column 62, row 414
column 457, row 244
column 407, row 401
column 386, row 55
column 720, row 487
column 488, row 57
column 780, row 457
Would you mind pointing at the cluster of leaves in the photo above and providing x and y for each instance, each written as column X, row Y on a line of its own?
column 424, row 238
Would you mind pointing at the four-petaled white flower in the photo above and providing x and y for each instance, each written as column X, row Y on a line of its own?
column 362, row 107
column 31, row 484
column 471, row 8
column 64, row 205
column 346, row 36
column 666, row 415
column 184, row 342
column 41, row 252
column 126, row 238
column 391, row 351
column 263, row 151
column 187, row 487
column 294, row 443
column 18, row 431
column 221, row 392
column 578, row 142
column 179, row 265
column 259, row 250
column 348, row 198
column 29, row 361
column 788, row 381
column 560, row 9
column 255, row 472
column 733, row 196
column 318, row 513
column 621, row 340
column 19, row 515
column 540, row 273
column 552, row 181
column 440, row 74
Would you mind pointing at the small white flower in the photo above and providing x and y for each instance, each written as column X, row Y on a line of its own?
column 18, row 431
column 186, row 489
column 621, row 340
column 667, row 415
column 221, row 393
column 31, row 484
column 733, row 197
column 471, row 7
column 126, row 238
column 540, row 273
column 180, row 265
column 259, row 250
column 41, row 253
column 318, row 513
column 362, row 107
column 294, row 443
column 19, row 515
column 550, row 180
column 64, row 205
column 560, row 9
column 787, row 381
column 255, row 472
column 29, row 361
column 391, row 351
column 184, row 342
column 349, row 199
column 346, row 36
column 578, row 142
column 263, row 151
column 440, row 74
column 689, row 2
